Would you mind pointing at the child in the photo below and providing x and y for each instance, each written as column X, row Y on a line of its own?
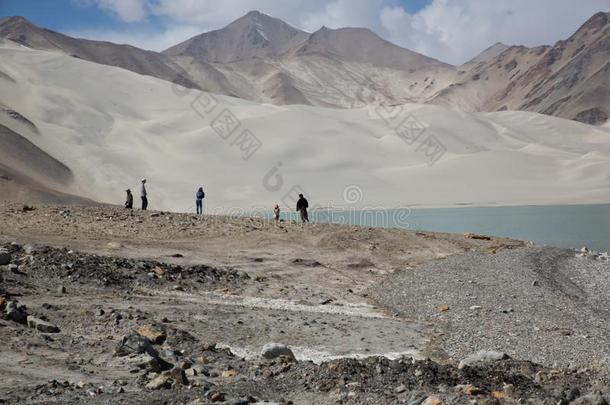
column 129, row 200
column 276, row 212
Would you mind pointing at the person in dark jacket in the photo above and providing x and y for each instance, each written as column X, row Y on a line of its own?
column 129, row 200
column 199, row 196
column 302, row 206
column 144, row 195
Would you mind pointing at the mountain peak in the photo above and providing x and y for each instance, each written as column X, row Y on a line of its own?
column 363, row 46
column 598, row 20
column 15, row 21
column 254, row 35
column 489, row 53
column 255, row 13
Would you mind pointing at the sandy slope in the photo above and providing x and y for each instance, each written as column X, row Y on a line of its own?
column 112, row 127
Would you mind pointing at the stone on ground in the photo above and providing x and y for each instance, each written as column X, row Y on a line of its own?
column 16, row 312
column 133, row 343
column 154, row 333
column 5, row 257
column 275, row 350
column 482, row 357
column 42, row 326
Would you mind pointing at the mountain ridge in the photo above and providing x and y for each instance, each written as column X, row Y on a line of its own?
column 261, row 58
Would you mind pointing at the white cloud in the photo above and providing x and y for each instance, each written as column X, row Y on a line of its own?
column 455, row 31
column 153, row 41
column 126, row 10
column 449, row 30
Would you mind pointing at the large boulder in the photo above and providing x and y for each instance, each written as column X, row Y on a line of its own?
column 42, row 326
column 134, row 343
column 483, row 356
column 275, row 350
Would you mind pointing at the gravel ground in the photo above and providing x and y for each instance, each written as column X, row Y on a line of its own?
column 535, row 303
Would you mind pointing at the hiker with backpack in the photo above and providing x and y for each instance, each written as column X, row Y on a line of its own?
column 199, row 196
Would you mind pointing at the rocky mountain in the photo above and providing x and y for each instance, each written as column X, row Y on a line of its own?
column 255, row 35
column 570, row 79
column 361, row 45
column 20, row 30
column 263, row 59
column 489, row 53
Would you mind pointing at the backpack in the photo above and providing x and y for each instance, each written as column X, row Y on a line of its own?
column 200, row 195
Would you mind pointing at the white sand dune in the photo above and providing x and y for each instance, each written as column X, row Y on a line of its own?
column 112, row 127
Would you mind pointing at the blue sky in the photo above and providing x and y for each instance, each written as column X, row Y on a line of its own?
column 74, row 15
column 450, row 30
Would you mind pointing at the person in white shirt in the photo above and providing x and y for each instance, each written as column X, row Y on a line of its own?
column 143, row 195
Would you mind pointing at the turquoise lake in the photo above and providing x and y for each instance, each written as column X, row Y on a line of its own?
column 560, row 225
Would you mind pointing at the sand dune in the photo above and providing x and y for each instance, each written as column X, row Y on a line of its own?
column 112, row 127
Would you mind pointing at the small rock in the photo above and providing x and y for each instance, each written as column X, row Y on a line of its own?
column 5, row 257
column 401, row 388
column 481, row 357
column 216, row 396
column 475, row 307
column 134, row 343
column 42, row 326
column 443, row 308
column 160, row 381
column 16, row 312
column 154, row 333
column 229, row 373
column 432, row 400
column 178, row 375
column 61, row 289
column 158, row 271
column 274, row 350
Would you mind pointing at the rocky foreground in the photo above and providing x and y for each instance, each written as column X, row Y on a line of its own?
column 161, row 308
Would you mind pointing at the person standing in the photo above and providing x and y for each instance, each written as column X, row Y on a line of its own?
column 302, row 206
column 129, row 200
column 199, row 196
column 143, row 195
column 276, row 213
